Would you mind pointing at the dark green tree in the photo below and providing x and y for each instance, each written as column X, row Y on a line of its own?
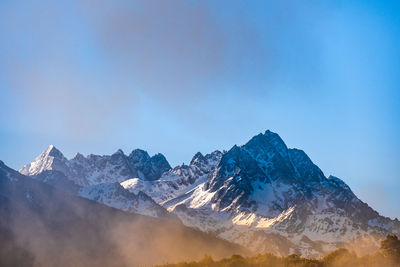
column 391, row 247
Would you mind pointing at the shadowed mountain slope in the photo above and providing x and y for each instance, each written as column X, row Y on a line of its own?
column 43, row 226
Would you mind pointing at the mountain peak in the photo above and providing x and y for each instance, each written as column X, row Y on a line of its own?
column 52, row 151
column 273, row 137
column 268, row 136
column 158, row 164
column 234, row 148
column 79, row 156
column 119, row 152
column 197, row 157
column 50, row 159
column 265, row 144
column 160, row 158
column 268, row 132
column 139, row 155
column 50, row 147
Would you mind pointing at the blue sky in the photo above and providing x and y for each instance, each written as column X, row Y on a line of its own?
column 178, row 77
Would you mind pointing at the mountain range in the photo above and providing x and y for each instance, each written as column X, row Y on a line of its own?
column 261, row 195
column 41, row 225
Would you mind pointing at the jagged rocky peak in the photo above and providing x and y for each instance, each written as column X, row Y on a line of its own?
column 95, row 169
column 197, row 158
column 154, row 167
column 50, row 159
column 215, row 155
column 268, row 144
column 160, row 158
column 251, row 170
column 265, row 159
column 279, row 192
column 118, row 156
column 205, row 164
column 279, row 162
column 160, row 162
column 79, row 156
column 149, row 168
column 52, row 151
column 275, row 139
column 139, row 156
column 119, row 152
column 208, row 161
column 233, row 158
column 236, row 167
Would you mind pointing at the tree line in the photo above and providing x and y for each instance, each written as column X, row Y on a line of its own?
column 387, row 256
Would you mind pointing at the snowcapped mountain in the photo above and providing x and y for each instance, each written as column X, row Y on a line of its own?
column 95, row 169
column 41, row 225
column 97, row 177
column 271, row 198
column 177, row 181
column 263, row 195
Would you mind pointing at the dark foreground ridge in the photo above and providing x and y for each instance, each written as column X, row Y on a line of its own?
column 43, row 226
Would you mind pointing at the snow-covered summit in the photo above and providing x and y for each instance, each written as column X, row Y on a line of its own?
column 95, row 169
column 279, row 195
column 50, row 159
column 97, row 177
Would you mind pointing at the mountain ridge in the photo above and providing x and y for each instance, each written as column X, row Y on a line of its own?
column 262, row 195
column 94, row 169
column 41, row 225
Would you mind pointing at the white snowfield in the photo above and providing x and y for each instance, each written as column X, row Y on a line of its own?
column 261, row 195
column 114, row 195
